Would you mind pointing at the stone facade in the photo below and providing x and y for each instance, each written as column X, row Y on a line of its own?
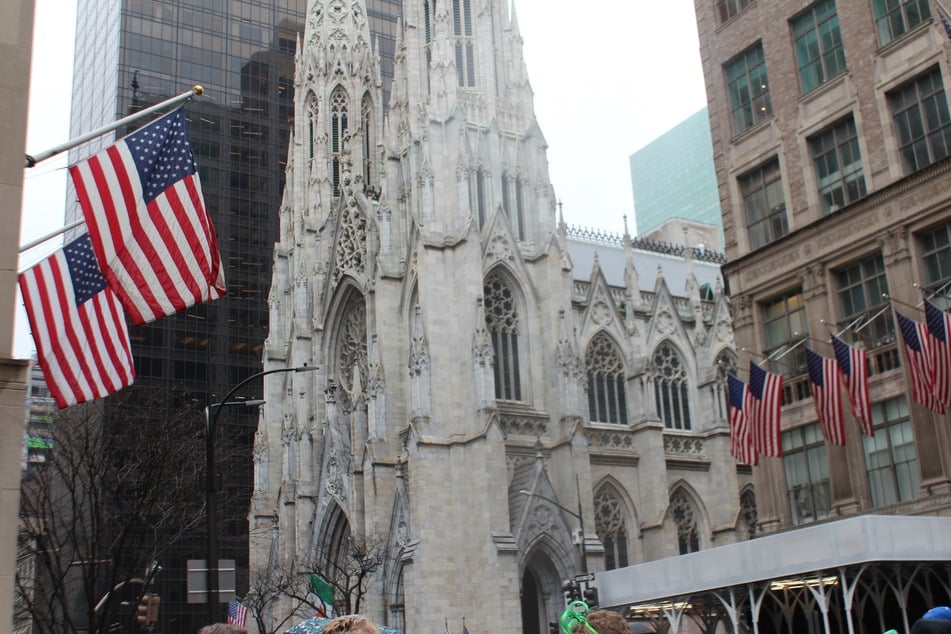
column 483, row 371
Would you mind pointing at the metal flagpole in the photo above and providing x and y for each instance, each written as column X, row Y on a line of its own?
column 32, row 160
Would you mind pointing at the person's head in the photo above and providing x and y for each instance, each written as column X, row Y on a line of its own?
column 351, row 623
column 937, row 620
column 604, row 622
column 222, row 628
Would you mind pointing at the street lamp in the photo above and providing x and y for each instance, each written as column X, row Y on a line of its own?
column 578, row 516
column 212, row 412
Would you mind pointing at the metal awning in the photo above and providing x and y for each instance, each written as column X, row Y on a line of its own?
column 801, row 552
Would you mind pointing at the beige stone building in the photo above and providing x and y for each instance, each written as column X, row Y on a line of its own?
column 488, row 380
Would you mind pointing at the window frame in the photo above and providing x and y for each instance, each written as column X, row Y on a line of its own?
column 796, row 320
column 748, row 108
column 893, row 22
column 726, row 10
column 844, row 184
column 806, row 441
column 671, row 393
column 606, row 385
column 764, row 216
column 890, row 418
column 912, row 104
column 817, row 42
column 858, row 285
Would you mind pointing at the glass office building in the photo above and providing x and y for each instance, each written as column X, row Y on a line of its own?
column 134, row 53
column 673, row 177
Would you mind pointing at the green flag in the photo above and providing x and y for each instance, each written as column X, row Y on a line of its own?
column 324, row 592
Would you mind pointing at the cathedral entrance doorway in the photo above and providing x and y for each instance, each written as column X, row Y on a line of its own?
column 540, row 594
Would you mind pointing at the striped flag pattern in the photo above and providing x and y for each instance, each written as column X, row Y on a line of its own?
column 939, row 327
column 237, row 614
column 80, row 332
column 738, row 403
column 919, row 354
column 766, row 391
column 143, row 206
column 827, row 396
column 854, row 365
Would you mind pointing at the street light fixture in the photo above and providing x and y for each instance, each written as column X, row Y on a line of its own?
column 212, row 412
column 578, row 516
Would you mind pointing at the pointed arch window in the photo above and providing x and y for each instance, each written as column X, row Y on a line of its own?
column 682, row 513
column 332, row 560
column 519, row 220
column 366, row 116
column 669, row 374
column 312, row 110
column 351, row 353
column 501, row 320
column 464, row 42
column 477, row 196
column 610, row 527
column 607, row 402
column 339, row 107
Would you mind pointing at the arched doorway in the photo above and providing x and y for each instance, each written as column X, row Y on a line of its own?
column 541, row 596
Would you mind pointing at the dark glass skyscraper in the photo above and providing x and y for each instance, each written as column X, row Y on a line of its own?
column 135, row 53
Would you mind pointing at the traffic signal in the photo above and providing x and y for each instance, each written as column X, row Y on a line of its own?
column 146, row 613
column 591, row 597
column 571, row 590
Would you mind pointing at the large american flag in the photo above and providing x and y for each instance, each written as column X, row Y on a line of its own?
column 854, row 365
column 918, row 345
column 766, row 390
column 738, row 402
column 78, row 326
column 144, row 210
column 827, row 395
column 939, row 327
column 237, row 614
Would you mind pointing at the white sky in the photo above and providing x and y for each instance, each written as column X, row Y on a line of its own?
column 606, row 83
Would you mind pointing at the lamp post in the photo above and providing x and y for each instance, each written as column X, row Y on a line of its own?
column 578, row 516
column 212, row 412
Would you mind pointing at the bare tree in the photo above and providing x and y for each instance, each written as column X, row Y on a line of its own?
column 117, row 491
column 286, row 588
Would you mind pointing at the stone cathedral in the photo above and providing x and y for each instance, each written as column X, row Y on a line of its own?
column 501, row 402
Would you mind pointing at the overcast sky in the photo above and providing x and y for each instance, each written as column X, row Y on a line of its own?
column 606, row 83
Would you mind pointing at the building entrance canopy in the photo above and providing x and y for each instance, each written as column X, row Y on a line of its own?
column 832, row 561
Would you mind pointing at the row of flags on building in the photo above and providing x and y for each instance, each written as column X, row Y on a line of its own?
column 754, row 408
column 150, row 250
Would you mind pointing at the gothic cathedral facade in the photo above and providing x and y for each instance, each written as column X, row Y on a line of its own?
column 499, row 403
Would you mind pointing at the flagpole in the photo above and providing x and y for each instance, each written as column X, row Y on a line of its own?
column 32, row 160
column 50, row 236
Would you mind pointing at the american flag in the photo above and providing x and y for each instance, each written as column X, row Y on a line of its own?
column 741, row 442
column 827, row 396
column 944, row 17
column 766, row 390
column 939, row 327
column 78, row 326
column 918, row 346
column 237, row 614
column 143, row 206
column 854, row 365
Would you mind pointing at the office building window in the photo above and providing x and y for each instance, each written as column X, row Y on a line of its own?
column 764, row 204
column 894, row 17
column 669, row 374
column 838, row 162
column 785, row 325
column 936, row 256
column 726, row 9
column 863, row 290
column 682, row 512
column 807, row 474
column 922, row 124
column 748, row 89
column 606, row 399
column 819, row 52
column 610, row 526
column 501, row 320
column 890, row 455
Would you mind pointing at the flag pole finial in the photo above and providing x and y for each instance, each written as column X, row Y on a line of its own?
column 198, row 90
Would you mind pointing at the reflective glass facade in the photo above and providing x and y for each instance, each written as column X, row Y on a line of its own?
column 673, row 176
column 135, row 53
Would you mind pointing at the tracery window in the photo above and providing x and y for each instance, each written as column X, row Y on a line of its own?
column 670, row 387
column 607, row 402
column 338, row 127
column 609, row 524
column 352, row 350
column 682, row 513
column 501, row 320
column 464, row 42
